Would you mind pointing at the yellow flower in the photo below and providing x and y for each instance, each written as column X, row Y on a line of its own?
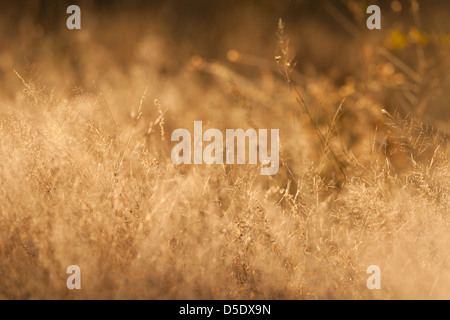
column 415, row 36
column 397, row 40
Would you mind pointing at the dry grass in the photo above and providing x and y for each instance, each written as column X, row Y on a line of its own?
column 86, row 178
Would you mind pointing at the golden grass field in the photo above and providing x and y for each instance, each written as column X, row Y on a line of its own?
column 86, row 176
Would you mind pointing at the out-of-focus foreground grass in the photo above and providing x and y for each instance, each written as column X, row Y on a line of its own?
column 86, row 176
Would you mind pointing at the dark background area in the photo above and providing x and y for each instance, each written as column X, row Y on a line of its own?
column 204, row 27
column 326, row 37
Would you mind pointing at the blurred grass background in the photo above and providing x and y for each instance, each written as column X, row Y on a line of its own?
column 87, row 177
